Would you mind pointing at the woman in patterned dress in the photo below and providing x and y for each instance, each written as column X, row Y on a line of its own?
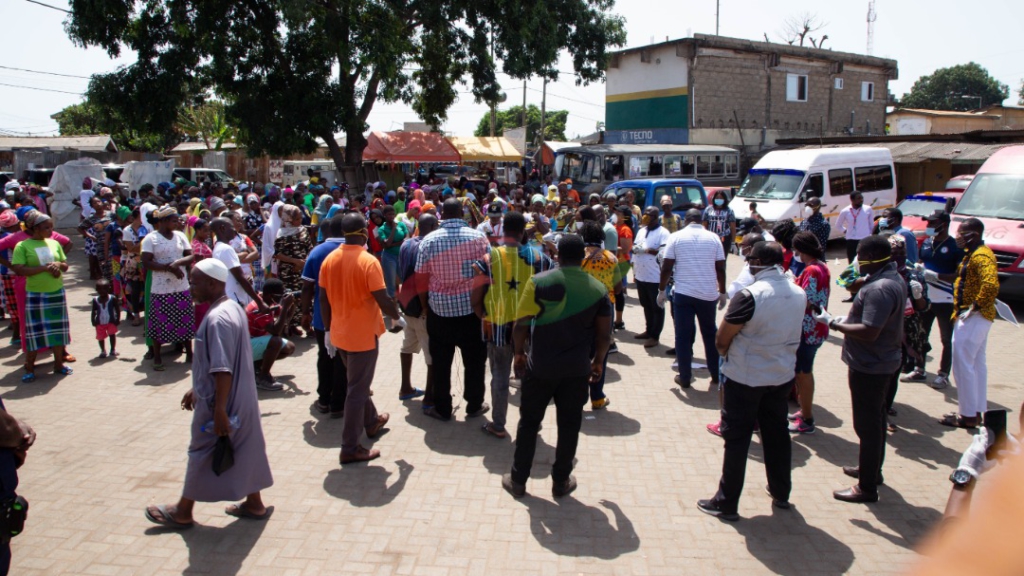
column 170, row 314
column 131, row 269
column 291, row 247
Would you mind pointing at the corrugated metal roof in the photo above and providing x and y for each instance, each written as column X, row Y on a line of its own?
column 913, row 152
column 96, row 143
column 949, row 113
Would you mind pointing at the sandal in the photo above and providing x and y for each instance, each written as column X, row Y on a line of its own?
column 64, row 371
column 159, row 367
column 148, row 355
column 490, row 429
column 958, row 421
column 240, row 511
column 416, row 393
column 29, row 377
column 166, row 519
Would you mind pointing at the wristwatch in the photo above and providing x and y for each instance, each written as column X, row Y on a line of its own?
column 961, row 478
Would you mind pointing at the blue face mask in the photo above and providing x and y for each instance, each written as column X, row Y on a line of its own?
column 929, row 232
column 883, row 223
column 719, row 202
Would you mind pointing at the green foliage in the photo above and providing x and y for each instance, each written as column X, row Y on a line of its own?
column 554, row 123
column 208, row 123
column 1020, row 92
column 90, row 118
column 295, row 70
column 956, row 88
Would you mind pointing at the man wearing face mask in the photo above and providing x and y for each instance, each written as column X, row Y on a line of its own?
column 815, row 223
column 757, row 340
column 940, row 257
column 892, row 220
column 974, row 309
column 872, row 350
column 650, row 240
column 856, row 221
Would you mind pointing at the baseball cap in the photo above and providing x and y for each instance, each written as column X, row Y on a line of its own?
column 745, row 226
column 494, row 209
column 939, row 216
column 813, row 201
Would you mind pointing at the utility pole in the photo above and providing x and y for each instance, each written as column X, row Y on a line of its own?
column 718, row 10
column 524, row 107
column 543, row 109
column 494, row 114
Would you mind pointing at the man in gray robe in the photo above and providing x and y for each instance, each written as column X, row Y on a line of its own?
column 223, row 401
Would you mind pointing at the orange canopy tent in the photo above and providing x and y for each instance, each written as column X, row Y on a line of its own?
column 409, row 147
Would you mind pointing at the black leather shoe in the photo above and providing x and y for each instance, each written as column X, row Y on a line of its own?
column 685, row 384
column 433, row 413
column 783, row 504
column 560, row 489
column 854, row 472
column 514, row 488
column 855, row 495
column 710, row 508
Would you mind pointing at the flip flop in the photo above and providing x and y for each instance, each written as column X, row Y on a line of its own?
column 239, row 511
column 30, row 377
column 64, row 371
column 416, row 393
column 956, row 421
column 166, row 519
column 158, row 367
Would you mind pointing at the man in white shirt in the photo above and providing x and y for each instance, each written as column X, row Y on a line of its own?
column 856, row 221
column 85, row 199
column 237, row 287
column 650, row 241
column 699, row 283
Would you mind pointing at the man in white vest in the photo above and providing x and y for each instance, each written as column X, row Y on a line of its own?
column 757, row 340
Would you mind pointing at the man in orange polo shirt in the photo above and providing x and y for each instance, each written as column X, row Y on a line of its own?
column 352, row 296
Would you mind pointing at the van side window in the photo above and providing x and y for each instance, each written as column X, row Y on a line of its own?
column 613, row 168
column 815, row 186
column 873, row 178
column 840, row 181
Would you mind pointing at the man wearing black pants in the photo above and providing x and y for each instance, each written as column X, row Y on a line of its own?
column 332, row 376
column 856, row 222
column 872, row 349
column 649, row 243
column 563, row 313
column 757, row 340
column 444, row 264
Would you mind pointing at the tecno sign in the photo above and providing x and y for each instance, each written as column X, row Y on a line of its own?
column 653, row 136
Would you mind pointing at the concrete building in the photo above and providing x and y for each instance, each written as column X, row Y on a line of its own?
column 741, row 93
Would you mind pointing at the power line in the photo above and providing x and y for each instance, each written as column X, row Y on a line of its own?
column 41, row 89
column 41, row 72
column 567, row 98
column 49, row 6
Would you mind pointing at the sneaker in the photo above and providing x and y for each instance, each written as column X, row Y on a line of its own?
column 564, row 488
column 600, row 404
column 915, row 376
column 514, row 488
column 801, row 426
column 940, row 382
column 268, row 384
column 613, row 349
column 619, row 326
column 715, row 428
column 792, row 417
column 709, row 507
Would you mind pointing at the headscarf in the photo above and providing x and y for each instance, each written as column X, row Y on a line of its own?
column 252, row 198
column 287, row 228
column 414, row 205
column 390, row 197
column 322, row 206
column 87, row 183
column 165, row 211
column 238, row 200
column 8, row 218
column 898, row 241
column 269, row 236
column 428, row 206
column 123, row 212
column 34, row 218
column 216, row 204
column 420, row 196
column 144, row 211
column 23, row 212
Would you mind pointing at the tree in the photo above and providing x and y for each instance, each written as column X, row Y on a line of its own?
column 91, row 118
column 1020, row 92
column 207, row 123
column 797, row 29
column 554, row 122
column 295, row 70
column 962, row 87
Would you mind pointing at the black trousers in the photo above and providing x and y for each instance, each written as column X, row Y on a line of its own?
column 851, row 250
column 447, row 334
column 570, row 395
column 654, row 316
column 868, row 394
column 332, row 376
column 742, row 407
column 943, row 313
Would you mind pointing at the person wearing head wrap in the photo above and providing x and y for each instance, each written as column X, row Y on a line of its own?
column 429, row 208
column 915, row 337
column 323, row 206
column 411, row 217
column 9, row 224
column 93, row 230
column 252, row 215
column 170, row 313
column 269, row 236
column 372, row 223
column 132, row 275
column 41, row 260
column 292, row 246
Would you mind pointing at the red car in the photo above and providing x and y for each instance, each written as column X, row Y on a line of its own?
column 959, row 183
column 915, row 208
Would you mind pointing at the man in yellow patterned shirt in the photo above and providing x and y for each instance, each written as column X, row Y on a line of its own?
column 974, row 310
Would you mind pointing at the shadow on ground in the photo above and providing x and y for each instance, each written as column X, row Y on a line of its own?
column 569, row 527
column 772, row 540
column 364, row 485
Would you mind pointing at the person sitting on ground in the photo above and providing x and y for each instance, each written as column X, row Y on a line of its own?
column 266, row 330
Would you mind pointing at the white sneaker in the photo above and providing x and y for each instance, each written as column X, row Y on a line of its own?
column 940, row 382
column 269, row 385
column 915, row 376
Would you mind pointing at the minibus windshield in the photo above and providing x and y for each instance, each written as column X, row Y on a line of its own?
column 993, row 196
column 771, row 184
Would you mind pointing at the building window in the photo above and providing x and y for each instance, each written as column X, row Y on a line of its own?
column 867, row 91
column 839, row 83
column 873, row 178
column 796, row 87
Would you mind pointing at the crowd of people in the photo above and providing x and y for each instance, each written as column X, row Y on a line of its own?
column 527, row 282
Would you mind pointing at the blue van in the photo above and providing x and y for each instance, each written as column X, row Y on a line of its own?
column 686, row 193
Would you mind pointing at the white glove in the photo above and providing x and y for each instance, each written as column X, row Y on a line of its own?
column 662, row 298
column 331, row 348
column 723, row 299
column 931, row 276
column 973, row 459
column 823, row 317
column 637, row 248
column 916, row 290
column 400, row 323
column 789, row 274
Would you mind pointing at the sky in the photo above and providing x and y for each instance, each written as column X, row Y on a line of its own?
column 921, row 39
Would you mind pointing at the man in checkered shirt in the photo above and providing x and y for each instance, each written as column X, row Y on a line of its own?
column 445, row 265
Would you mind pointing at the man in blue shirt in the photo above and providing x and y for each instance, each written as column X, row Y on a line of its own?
column 332, row 375
column 892, row 219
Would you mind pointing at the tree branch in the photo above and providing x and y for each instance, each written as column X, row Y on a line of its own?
column 370, row 97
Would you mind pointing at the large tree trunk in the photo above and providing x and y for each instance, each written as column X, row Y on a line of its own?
column 354, row 146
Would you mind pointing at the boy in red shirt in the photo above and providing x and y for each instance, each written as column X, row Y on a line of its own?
column 265, row 330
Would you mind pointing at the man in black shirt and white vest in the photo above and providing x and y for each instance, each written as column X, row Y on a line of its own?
column 757, row 340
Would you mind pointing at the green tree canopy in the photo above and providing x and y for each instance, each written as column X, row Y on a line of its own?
column 207, row 123
column 554, row 123
column 295, row 70
column 962, row 87
column 91, row 118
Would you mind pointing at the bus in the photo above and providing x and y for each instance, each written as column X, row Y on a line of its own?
column 594, row 168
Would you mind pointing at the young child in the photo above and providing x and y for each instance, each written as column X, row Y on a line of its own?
column 106, row 317
column 755, row 215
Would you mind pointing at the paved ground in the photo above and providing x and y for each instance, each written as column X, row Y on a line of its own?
column 112, row 440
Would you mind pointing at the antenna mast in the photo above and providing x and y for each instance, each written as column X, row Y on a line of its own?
column 872, row 16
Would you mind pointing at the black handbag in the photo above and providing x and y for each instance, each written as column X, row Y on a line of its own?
column 223, row 456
